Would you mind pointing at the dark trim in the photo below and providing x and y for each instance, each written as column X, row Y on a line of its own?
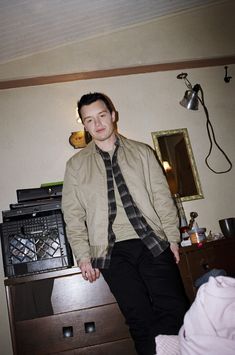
column 141, row 69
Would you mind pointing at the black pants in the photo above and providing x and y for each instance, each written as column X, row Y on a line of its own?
column 148, row 290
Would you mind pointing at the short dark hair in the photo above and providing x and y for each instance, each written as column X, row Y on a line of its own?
column 88, row 99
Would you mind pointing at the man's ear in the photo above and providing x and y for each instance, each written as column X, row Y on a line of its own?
column 113, row 115
column 88, row 137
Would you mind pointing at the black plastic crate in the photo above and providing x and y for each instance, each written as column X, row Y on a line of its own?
column 34, row 242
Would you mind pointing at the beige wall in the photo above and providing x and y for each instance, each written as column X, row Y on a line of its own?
column 206, row 32
column 36, row 122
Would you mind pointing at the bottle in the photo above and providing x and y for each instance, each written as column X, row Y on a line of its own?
column 192, row 222
column 196, row 234
column 183, row 224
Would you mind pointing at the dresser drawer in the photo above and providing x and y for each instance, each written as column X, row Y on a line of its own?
column 219, row 256
column 73, row 293
column 87, row 327
column 120, row 347
column 198, row 262
column 60, row 295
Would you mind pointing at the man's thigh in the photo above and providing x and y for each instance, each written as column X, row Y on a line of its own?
column 163, row 281
column 126, row 283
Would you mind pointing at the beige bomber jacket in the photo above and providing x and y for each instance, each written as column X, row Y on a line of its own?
column 85, row 198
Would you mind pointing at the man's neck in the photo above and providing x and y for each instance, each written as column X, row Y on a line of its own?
column 108, row 144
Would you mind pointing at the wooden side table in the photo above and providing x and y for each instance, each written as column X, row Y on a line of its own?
column 196, row 261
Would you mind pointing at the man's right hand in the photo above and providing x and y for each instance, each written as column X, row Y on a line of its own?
column 88, row 273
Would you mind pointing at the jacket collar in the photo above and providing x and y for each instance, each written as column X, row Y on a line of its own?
column 92, row 147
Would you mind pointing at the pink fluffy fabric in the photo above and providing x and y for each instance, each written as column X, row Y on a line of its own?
column 209, row 325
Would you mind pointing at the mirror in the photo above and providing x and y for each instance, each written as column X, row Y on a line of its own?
column 174, row 151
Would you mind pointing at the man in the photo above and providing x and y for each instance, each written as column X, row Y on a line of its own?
column 121, row 221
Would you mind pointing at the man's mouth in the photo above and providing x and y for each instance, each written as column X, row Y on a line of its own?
column 100, row 130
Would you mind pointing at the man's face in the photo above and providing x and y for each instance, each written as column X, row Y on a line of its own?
column 98, row 121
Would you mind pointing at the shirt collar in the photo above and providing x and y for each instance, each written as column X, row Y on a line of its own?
column 117, row 144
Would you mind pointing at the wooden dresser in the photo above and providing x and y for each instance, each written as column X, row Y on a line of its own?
column 60, row 313
column 195, row 261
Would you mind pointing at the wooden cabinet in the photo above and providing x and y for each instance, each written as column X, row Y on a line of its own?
column 196, row 261
column 59, row 312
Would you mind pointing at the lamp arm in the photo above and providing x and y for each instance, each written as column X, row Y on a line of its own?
column 210, row 130
column 187, row 82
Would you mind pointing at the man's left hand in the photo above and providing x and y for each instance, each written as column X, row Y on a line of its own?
column 175, row 250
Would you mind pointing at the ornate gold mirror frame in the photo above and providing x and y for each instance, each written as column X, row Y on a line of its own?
column 174, row 151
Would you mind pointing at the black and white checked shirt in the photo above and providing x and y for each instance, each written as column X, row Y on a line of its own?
column 154, row 243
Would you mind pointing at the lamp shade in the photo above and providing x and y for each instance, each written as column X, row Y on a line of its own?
column 190, row 100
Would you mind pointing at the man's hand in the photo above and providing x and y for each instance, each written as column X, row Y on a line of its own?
column 88, row 273
column 175, row 250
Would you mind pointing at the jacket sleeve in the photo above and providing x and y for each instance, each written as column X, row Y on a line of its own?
column 162, row 199
column 74, row 216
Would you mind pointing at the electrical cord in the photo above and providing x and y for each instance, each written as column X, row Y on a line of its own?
column 210, row 131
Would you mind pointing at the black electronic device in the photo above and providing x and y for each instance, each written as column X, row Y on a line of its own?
column 54, row 202
column 39, row 193
column 34, row 240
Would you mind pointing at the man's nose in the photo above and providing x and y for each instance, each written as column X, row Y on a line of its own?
column 97, row 121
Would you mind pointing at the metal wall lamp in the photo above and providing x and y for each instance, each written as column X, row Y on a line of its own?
column 191, row 100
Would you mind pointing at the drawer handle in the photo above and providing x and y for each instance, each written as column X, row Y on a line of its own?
column 68, row 332
column 206, row 266
column 89, row 327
